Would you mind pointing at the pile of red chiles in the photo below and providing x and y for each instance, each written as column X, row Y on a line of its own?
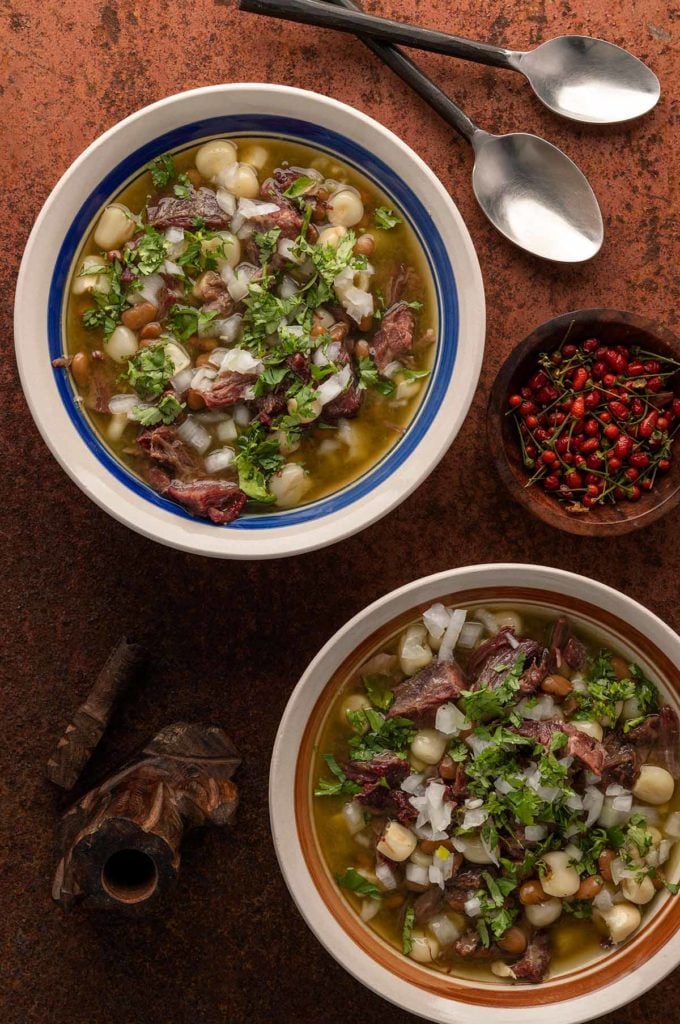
column 596, row 423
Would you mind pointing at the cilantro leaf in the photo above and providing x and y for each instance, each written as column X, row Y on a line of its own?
column 370, row 377
column 385, row 218
column 266, row 242
column 108, row 306
column 149, row 371
column 165, row 411
column 183, row 187
column 489, row 702
column 381, row 698
column 257, row 458
column 185, row 321
column 395, row 735
column 355, row 882
column 342, row 783
column 407, row 931
column 162, row 170
column 299, row 186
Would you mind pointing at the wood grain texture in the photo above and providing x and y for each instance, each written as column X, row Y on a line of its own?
column 232, row 639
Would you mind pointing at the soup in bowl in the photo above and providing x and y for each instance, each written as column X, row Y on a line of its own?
column 484, row 797
column 263, row 306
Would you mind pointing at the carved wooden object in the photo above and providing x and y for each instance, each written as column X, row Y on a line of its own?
column 91, row 719
column 121, row 841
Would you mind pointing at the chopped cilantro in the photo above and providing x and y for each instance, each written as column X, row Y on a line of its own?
column 341, row 785
column 162, row 170
column 107, row 308
column 407, row 931
column 165, row 411
column 183, row 187
column 365, row 718
column 149, row 254
column 355, row 882
column 376, row 693
column 300, row 186
column 149, row 371
column 396, row 735
column 489, row 702
column 257, row 458
column 370, row 377
column 266, row 242
column 186, row 321
column 385, row 218
column 578, row 908
column 270, row 378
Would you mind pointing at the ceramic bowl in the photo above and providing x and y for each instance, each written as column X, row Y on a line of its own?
column 579, row 994
column 611, row 327
column 180, row 122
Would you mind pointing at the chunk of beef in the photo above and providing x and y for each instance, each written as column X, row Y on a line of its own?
column 383, row 766
column 99, row 389
column 348, row 403
column 287, row 218
column 657, row 739
column 401, row 806
column 421, row 695
column 534, row 963
column 491, row 662
column 167, row 450
column 458, row 785
column 463, row 887
column 588, row 750
column 168, row 295
column 394, row 338
column 217, row 500
column 428, row 904
column 404, row 279
column 212, row 290
column 469, row 946
column 171, row 212
column 565, row 647
column 621, row 763
column 228, row 389
column 393, row 802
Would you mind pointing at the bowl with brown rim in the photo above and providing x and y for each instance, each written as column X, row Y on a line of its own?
column 573, row 995
column 613, row 327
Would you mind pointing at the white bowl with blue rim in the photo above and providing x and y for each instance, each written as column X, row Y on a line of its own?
column 181, row 122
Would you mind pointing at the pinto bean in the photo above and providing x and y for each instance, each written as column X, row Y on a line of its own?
column 151, row 331
column 366, row 323
column 394, row 900
column 558, row 686
column 364, row 245
column 620, row 666
column 604, row 863
column 448, row 768
column 531, row 893
column 80, row 368
column 204, row 344
column 514, row 941
column 195, row 400
column 589, row 887
column 317, row 330
column 140, row 315
column 203, row 359
column 194, row 177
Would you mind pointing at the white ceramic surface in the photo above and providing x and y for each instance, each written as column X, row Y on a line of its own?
column 81, row 460
column 431, row 1006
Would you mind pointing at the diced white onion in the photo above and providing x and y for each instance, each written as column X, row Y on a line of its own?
column 623, row 803
column 450, row 720
column 358, row 303
column 488, row 620
column 451, row 635
column 333, row 386
column 203, row 378
column 444, row 929
column 385, row 874
column 473, row 907
column 241, row 416
column 672, row 825
column 417, row 874
column 615, row 790
column 440, row 870
column 181, row 382
column 513, row 641
column 603, row 900
column 436, row 619
column 620, row 871
column 195, row 435
column 288, row 287
column 151, row 286
column 240, row 360
column 477, row 744
column 216, row 356
column 593, row 799
column 544, row 708
column 664, row 850
column 229, row 329
column 122, row 403
column 250, row 208
column 391, row 369
column 469, row 635
column 475, row 819
column 226, row 431
column 413, row 783
column 219, row 459
column 502, row 786
column 285, row 248
column 354, row 816
column 226, row 201
column 172, row 268
column 574, row 802
column 369, row 908
column 535, row 833
column 174, row 235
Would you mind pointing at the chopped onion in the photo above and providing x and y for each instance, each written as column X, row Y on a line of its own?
column 513, row 641
column 473, row 804
column 440, row 870
column 477, row 744
column 226, row 201
column 240, row 360
column 391, row 369
column 333, row 386
column 413, row 783
column 615, row 790
column 174, row 269
column 251, row 208
column 503, row 787
column 417, row 874
column 603, row 900
column 469, row 635
column 672, row 825
column 226, row 430
column 451, row 635
column 436, row 619
column 488, row 620
column 369, row 908
column 203, row 378
column 535, row 833
column 219, row 459
column 475, row 819
column 544, row 708
column 593, row 799
column 181, row 382
column 358, row 303
column 384, row 872
column 285, row 248
column 491, row 852
column 151, row 286
column 174, row 235
column 353, row 815
column 216, row 356
column 623, row 803
column 122, row 403
column 325, row 318
column 473, row 907
column 574, row 853
column 241, row 416
column 195, row 435
column 664, row 850
column 432, row 808
column 228, row 330
column 444, row 929
column 450, row 720
column 288, row 287
column 575, row 802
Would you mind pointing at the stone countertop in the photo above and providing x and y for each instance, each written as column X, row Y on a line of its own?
column 232, row 638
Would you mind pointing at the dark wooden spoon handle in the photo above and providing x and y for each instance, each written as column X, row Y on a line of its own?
column 353, row 19
column 402, row 65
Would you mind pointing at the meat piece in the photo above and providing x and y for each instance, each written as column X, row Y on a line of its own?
column 402, row 808
column 212, row 290
column 458, row 785
column 348, row 403
column 383, row 766
column 374, row 795
column 428, row 904
column 228, row 389
column 168, row 295
column 421, row 695
column 490, row 663
column 469, row 946
column 588, row 750
column 99, row 389
column 565, row 647
column 393, row 802
column 171, row 212
column 394, row 338
column 217, row 500
column 657, row 740
column 271, row 405
column 165, row 447
column 621, row 763
column 287, row 218
column 534, row 963
column 403, row 280
column 463, row 887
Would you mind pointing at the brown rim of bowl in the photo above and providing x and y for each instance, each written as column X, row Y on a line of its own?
column 653, row 934
column 608, row 521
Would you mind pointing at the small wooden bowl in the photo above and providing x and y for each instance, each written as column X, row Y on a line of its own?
column 612, row 327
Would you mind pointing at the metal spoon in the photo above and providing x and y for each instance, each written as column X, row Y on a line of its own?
column 578, row 77
column 530, row 191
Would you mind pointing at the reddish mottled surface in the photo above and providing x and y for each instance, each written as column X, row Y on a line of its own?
column 232, row 638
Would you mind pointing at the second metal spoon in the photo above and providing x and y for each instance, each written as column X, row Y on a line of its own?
column 578, row 77
column 530, row 190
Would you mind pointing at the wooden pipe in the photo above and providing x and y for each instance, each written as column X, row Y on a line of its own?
column 121, row 842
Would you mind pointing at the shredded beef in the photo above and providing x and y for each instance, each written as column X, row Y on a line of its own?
column 469, row 946
column 565, row 647
column 621, row 763
column 403, row 279
column 217, row 500
column 428, row 904
column 287, row 218
column 588, row 750
column 657, row 740
column 463, row 887
column 394, row 338
column 171, row 212
column 421, row 695
column 534, row 963
column 490, row 663
column 228, row 389
column 99, row 391
column 383, row 766
column 165, row 447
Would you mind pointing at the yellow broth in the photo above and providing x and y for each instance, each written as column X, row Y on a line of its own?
column 574, row 941
column 332, row 458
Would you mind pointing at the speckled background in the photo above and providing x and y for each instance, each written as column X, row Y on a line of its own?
column 232, row 639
